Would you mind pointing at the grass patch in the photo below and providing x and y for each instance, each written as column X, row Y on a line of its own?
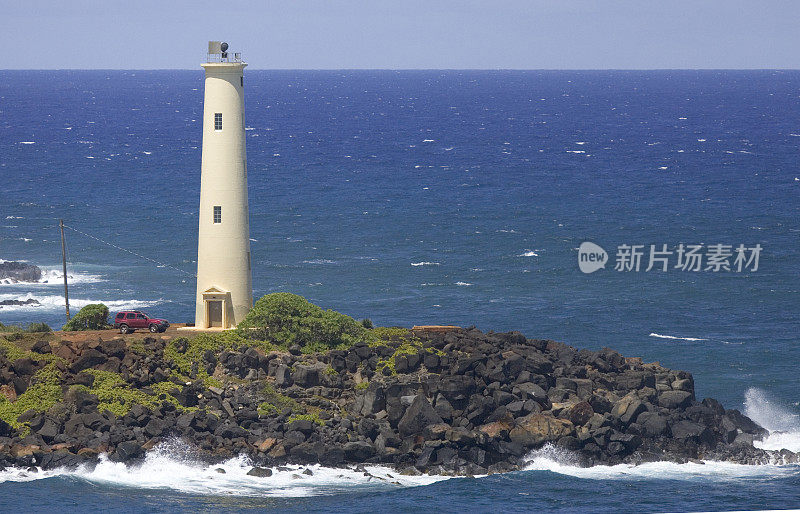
column 275, row 402
column 11, row 351
column 183, row 353
column 43, row 392
column 118, row 396
column 314, row 418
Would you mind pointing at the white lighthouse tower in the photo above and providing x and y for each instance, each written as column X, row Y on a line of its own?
column 224, row 284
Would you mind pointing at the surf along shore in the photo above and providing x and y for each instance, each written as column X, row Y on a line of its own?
column 296, row 384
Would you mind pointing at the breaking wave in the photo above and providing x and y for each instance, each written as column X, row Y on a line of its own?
column 171, row 465
column 561, row 461
column 782, row 423
column 53, row 302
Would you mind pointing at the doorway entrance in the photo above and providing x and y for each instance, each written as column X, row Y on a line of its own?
column 215, row 313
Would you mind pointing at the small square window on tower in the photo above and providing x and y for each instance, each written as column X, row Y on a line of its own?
column 217, row 214
column 217, row 121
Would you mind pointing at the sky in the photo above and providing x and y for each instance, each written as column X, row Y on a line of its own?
column 403, row 34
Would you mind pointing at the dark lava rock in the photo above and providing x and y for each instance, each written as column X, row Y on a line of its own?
column 418, row 415
column 259, row 472
column 20, row 272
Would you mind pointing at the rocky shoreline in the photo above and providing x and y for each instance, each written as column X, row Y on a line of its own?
column 462, row 402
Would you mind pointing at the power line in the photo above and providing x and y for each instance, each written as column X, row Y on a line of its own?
column 160, row 264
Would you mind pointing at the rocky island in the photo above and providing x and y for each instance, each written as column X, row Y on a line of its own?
column 296, row 384
column 12, row 272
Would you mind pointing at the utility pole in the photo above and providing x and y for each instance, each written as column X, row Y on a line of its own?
column 64, row 262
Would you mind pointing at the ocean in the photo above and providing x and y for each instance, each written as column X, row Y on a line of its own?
column 435, row 197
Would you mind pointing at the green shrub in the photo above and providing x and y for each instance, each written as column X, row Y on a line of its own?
column 39, row 327
column 366, row 323
column 287, row 319
column 92, row 317
column 10, row 328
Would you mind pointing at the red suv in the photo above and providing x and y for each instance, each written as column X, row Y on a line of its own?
column 128, row 321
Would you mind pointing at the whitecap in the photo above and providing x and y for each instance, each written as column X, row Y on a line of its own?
column 428, row 140
column 27, row 142
column 459, row 283
column 576, row 151
column 319, row 261
column 425, row 263
column 653, row 334
column 528, row 253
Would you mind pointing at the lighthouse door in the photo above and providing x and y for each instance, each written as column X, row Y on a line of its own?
column 214, row 313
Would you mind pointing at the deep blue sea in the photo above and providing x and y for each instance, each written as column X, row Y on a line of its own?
column 434, row 197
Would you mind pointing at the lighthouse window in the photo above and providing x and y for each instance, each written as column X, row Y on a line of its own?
column 217, row 121
column 241, row 81
column 217, row 214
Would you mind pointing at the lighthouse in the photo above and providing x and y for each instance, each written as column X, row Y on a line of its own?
column 224, row 284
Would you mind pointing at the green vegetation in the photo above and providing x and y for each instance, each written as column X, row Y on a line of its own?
column 361, row 386
column 409, row 346
column 276, row 402
column 31, row 328
column 118, row 397
column 39, row 327
column 43, row 392
column 310, row 417
column 366, row 323
column 92, row 317
column 11, row 351
column 285, row 319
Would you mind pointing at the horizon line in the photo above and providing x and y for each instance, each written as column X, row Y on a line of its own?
column 410, row 69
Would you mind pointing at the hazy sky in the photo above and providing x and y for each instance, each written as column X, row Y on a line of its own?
column 400, row 34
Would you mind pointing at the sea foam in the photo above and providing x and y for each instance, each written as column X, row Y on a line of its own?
column 171, row 465
column 53, row 302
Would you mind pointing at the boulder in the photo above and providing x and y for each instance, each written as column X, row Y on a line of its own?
column 374, row 399
column 41, row 346
column 457, row 387
column 307, row 375
column 627, row 409
column 358, row 451
column 652, row 424
column 418, row 415
column 580, row 413
column 675, row 399
column 689, row 430
column 126, row 451
column 88, row 359
column 537, row 429
column 260, row 472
